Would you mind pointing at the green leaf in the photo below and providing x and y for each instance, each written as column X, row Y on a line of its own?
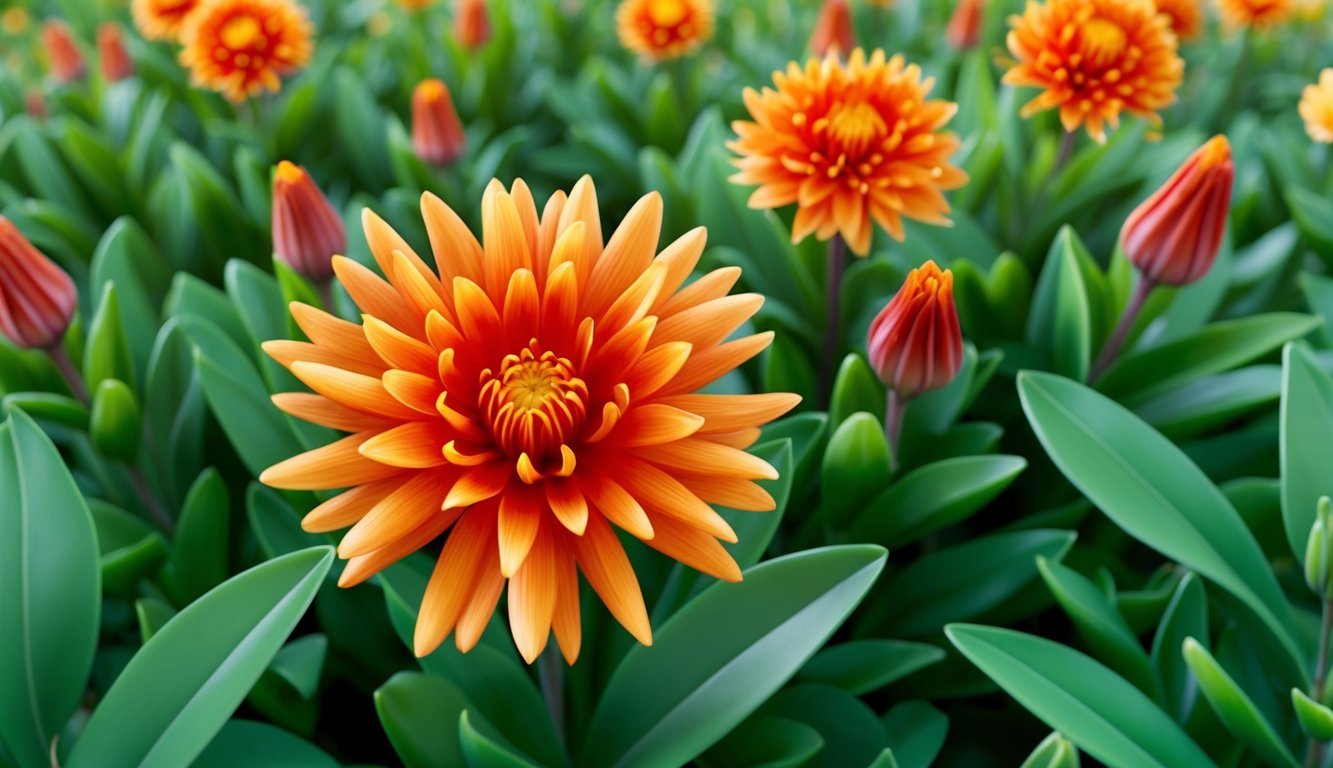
column 1105, row 716
column 1054, row 751
column 1318, row 291
column 1148, row 487
column 1212, row 401
column 216, row 649
column 116, row 423
column 1185, row 616
column 768, row 741
column 1306, row 428
column 1241, row 718
column 482, row 751
column 704, row 682
column 260, row 745
column 414, row 709
column 862, row 666
column 276, row 525
column 1316, row 719
column 107, row 353
column 856, row 463
column 199, row 556
column 152, row 614
column 852, row 734
column 856, row 388
column 300, row 664
column 50, row 591
column 1061, row 318
column 916, row 733
column 126, row 256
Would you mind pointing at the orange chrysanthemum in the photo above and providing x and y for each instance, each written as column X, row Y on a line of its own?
column 851, row 146
column 1317, row 108
column 532, row 396
column 1095, row 59
column 664, row 29
column 1186, row 17
column 240, row 47
column 161, row 19
column 1254, row 14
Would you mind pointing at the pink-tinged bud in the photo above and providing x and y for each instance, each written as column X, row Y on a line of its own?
column 37, row 298
column 67, row 62
column 437, row 135
column 915, row 343
column 1174, row 236
column 964, row 30
column 116, row 62
column 307, row 231
column 833, row 31
column 472, row 23
column 35, row 103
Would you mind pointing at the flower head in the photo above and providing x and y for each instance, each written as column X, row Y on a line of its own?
column 437, row 134
column 852, row 146
column 1254, row 14
column 1094, row 59
column 915, row 342
column 240, row 47
column 472, row 23
column 964, row 31
column 531, row 396
column 415, row 5
column 1186, row 17
column 1174, row 236
column 37, row 298
column 1316, row 108
column 664, row 29
column 14, row 20
column 307, row 231
column 833, row 32
column 67, row 62
column 116, row 62
column 161, row 19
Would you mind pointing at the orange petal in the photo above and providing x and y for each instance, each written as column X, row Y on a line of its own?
column 694, row 548
column 532, row 599
column 420, row 393
column 713, row 285
column 708, row 365
column 503, row 239
column 568, row 504
column 526, row 206
column 616, row 504
column 582, row 207
column 477, row 318
column 320, row 410
column 376, row 297
column 680, row 257
column 657, row 367
column 560, row 303
column 565, row 622
column 348, row 507
column 659, row 492
column 457, row 252
column 633, row 304
column 729, row 492
column 354, row 390
column 414, row 445
column 422, row 292
column 336, row 465
column 362, row 567
column 728, row 413
column 627, row 255
column 546, row 234
column 451, row 582
column 334, row 333
column 705, row 457
column 520, row 518
column 288, row 353
column 478, row 484
column 410, row 505
column 711, row 322
column 485, row 594
column 397, row 348
column 608, row 570
column 521, row 307
column 383, row 241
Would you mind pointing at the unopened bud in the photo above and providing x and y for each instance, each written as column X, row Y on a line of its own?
column 1319, row 552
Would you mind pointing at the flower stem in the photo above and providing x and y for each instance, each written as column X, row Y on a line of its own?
column 1314, row 755
column 69, row 372
column 1068, row 143
column 1117, row 340
column 325, row 290
column 553, row 687
column 893, row 425
column 837, row 262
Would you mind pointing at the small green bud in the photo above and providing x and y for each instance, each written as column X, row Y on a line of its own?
column 1316, row 719
column 116, row 422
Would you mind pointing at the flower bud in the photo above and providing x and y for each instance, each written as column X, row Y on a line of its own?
column 437, row 135
column 1174, row 236
column 472, row 23
column 1319, row 553
column 116, row 63
column 915, row 343
column 964, row 30
column 833, row 32
column 37, row 298
column 35, row 104
column 67, row 62
column 307, row 231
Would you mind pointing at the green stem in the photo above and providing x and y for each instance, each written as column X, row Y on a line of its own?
column 552, row 673
column 893, row 425
column 1314, row 755
column 837, row 263
column 1117, row 340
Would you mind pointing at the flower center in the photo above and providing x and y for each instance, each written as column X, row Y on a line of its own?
column 666, row 13
column 1104, row 42
column 534, row 403
column 856, row 126
column 241, row 32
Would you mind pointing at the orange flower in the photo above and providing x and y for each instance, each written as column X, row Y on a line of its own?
column 472, row 23
column 833, row 32
column 116, row 63
column 535, row 394
column 915, row 343
column 964, row 30
column 1174, row 236
column 1094, row 59
column 37, row 298
column 415, row 5
column 437, row 135
column 1186, row 17
column 67, row 62
column 161, row 19
column 664, row 29
column 850, row 145
column 307, row 231
column 1255, row 14
column 1316, row 108
column 14, row 20
column 240, row 47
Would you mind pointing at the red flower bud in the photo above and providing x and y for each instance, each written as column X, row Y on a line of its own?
column 437, row 135
column 1174, row 236
column 472, row 23
column 35, row 104
column 66, row 60
column 916, row 344
column 307, row 231
column 833, row 31
column 37, row 298
column 116, row 63
column 964, row 30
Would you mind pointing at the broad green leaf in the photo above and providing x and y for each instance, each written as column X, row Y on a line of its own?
column 275, row 524
column 50, row 591
column 264, row 437
column 1242, row 719
column 1061, row 319
column 260, row 745
column 862, row 666
column 301, row 662
column 1212, row 401
column 916, row 733
column 704, row 682
column 856, row 463
column 107, row 353
column 482, row 751
column 1100, row 712
column 1185, row 616
column 855, row 388
column 126, row 256
column 767, row 741
column 152, row 614
column 216, row 649
column 199, row 557
column 1305, row 428
column 1316, row 719
column 415, row 710
column 852, row 733
column 1318, row 291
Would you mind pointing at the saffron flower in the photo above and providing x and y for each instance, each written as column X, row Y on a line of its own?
column 37, row 298
column 833, row 32
column 307, row 231
column 437, row 134
column 661, row 30
column 472, row 23
column 67, row 64
column 161, row 19
column 529, row 398
column 1186, row 17
column 915, row 343
column 116, row 63
column 964, row 31
column 851, row 145
column 1094, row 59
column 1316, row 108
column 241, row 47
column 1254, row 14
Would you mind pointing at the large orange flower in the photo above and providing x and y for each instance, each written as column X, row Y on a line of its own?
column 240, row 47
column 852, row 146
column 530, row 397
column 664, row 29
column 161, row 19
column 1316, row 108
column 1186, row 17
column 1095, row 59
column 1256, row 14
